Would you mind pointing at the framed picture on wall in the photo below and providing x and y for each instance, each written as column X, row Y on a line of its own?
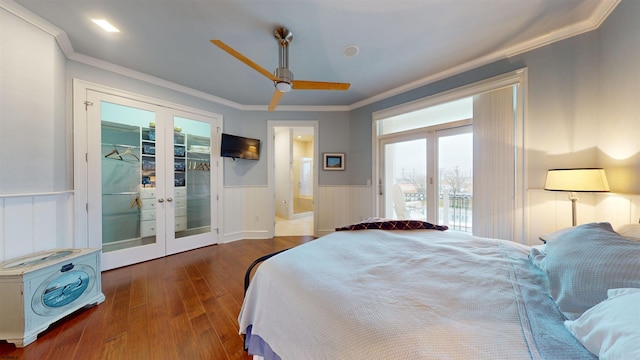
column 333, row 161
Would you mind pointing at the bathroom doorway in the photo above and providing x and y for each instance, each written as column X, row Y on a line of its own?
column 294, row 179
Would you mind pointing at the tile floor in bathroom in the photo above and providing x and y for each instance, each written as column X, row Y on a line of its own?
column 295, row 227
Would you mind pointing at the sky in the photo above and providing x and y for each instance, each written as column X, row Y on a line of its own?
column 456, row 150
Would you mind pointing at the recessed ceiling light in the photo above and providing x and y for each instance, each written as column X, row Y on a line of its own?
column 350, row 51
column 104, row 24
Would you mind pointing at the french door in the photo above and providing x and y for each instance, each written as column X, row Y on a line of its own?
column 454, row 166
column 497, row 196
column 151, row 179
column 404, row 170
column 427, row 174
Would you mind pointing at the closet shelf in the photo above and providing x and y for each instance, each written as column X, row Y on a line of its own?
column 122, row 146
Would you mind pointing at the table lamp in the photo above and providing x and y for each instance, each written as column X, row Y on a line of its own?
column 576, row 180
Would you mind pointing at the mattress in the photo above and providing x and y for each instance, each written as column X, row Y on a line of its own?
column 375, row 294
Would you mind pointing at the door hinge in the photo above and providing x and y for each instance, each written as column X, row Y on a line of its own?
column 86, row 207
column 86, row 157
column 87, row 104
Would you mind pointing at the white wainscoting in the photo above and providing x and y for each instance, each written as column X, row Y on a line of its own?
column 245, row 213
column 35, row 222
column 551, row 210
column 247, row 216
column 343, row 205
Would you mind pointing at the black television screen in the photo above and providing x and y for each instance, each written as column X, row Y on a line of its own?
column 238, row 147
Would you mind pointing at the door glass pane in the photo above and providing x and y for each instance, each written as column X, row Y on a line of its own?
column 405, row 173
column 128, row 218
column 192, row 176
column 455, row 180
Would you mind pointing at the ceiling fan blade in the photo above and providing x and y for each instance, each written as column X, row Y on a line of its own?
column 318, row 85
column 244, row 59
column 275, row 99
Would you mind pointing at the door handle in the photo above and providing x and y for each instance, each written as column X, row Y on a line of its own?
column 169, row 199
column 160, row 200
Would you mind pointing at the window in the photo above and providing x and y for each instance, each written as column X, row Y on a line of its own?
column 494, row 190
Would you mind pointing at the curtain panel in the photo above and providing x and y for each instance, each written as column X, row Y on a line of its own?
column 494, row 142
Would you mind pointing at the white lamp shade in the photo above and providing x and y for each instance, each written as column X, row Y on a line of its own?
column 577, row 180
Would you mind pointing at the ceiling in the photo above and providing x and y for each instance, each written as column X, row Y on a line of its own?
column 402, row 44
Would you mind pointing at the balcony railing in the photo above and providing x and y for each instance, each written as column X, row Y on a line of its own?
column 454, row 210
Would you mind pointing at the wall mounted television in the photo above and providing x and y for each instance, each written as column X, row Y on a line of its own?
column 239, row 147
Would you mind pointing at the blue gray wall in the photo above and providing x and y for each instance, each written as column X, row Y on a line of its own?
column 582, row 104
column 579, row 89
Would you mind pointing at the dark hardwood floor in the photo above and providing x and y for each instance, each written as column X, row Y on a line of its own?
column 183, row 306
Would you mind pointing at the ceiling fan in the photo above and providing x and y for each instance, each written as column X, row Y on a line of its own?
column 282, row 77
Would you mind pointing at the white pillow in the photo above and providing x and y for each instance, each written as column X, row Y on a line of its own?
column 611, row 329
column 631, row 231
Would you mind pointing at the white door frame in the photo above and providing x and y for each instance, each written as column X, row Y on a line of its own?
column 271, row 212
column 81, row 146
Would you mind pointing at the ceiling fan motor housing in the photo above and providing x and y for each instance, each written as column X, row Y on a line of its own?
column 285, row 76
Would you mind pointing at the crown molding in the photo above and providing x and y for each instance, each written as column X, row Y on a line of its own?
column 315, row 108
column 151, row 79
column 61, row 37
column 601, row 12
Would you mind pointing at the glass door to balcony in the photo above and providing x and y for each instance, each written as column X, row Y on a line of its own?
column 404, row 179
column 427, row 174
column 455, row 177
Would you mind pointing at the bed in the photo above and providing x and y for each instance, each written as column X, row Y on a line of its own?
column 384, row 289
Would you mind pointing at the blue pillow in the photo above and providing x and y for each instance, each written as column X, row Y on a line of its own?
column 583, row 263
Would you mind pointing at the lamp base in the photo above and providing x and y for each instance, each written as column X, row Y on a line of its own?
column 574, row 199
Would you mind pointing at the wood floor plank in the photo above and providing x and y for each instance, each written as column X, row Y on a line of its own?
column 119, row 318
column 69, row 339
column 115, row 348
column 139, row 286
column 137, row 333
column 208, row 341
column 95, row 331
column 235, row 348
column 226, row 327
column 183, row 306
column 181, row 328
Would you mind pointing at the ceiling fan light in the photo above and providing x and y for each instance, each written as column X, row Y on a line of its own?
column 283, row 86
